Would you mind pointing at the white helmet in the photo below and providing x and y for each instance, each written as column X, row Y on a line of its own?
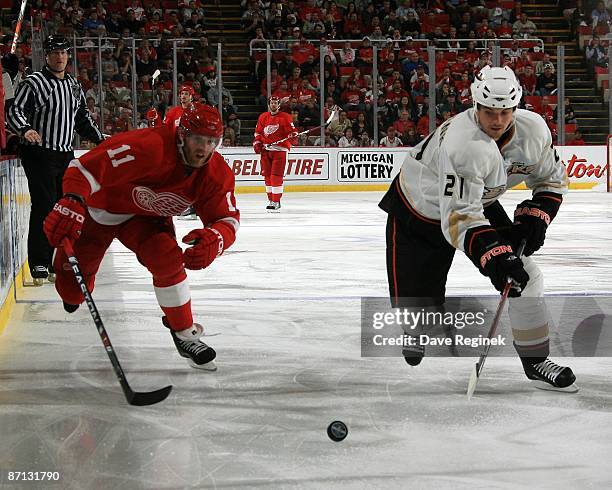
column 496, row 87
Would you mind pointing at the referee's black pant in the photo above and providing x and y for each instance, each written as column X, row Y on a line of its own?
column 44, row 169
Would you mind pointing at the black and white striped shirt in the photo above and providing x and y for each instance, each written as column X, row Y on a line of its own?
column 54, row 108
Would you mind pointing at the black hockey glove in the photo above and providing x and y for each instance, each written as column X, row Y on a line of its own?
column 495, row 259
column 532, row 217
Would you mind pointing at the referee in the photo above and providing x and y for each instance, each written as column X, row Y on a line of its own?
column 49, row 106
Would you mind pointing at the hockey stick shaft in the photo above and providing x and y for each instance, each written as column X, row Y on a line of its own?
column 133, row 398
column 306, row 131
column 18, row 26
column 478, row 367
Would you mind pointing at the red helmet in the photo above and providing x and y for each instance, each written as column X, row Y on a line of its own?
column 202, row 119
column 187, row 88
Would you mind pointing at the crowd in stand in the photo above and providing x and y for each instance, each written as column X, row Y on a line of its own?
column 346, row 32
column 155, row 24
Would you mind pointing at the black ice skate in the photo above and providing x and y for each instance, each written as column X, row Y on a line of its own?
column 548, row 375
column 273, row 206
column 188, row 343
column 39, row 274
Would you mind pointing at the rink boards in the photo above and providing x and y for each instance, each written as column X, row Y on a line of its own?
column 312, row 169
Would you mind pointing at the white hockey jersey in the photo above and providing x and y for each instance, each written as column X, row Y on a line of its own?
column 458, row 169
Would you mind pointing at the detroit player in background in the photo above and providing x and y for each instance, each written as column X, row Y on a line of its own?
column 273, row 126
column 129, row 188
column 446, row 198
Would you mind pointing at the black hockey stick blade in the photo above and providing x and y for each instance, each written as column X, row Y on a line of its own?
column 133, row 397
column 144, row 398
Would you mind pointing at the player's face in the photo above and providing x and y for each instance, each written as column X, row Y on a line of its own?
column 274, row 106
column 495, row 122
column 198, row 149
column 185, row 97
column 57, row 60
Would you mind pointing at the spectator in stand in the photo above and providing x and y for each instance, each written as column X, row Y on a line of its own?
column 308, row 115
column 570, row 116
column 361, row 125
column 396, row 92
column 411, row 138
column 577, row 140
column 283, row 94
column 522, row 63
column 338, row 126
column 600, row 14
column 301, row 50
column 347, row 140
column 409, row 66
column 305, row 92
column 547, row 81
column 230, row 117
column 528, row 81
column 404, row 122
column 540, row 64
column 187, row 66
column 351, row 97
column 524, row 27
column 411, row 26
column 145, row 67
column 365, row 53
column 504, row 31
column 295, row 81
column 595, row 55
column 390, row 140
column 347, row 55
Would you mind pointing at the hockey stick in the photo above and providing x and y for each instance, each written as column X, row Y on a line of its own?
column 18, row 26
column 327, row 123
column 478, row 367
column 132, row 397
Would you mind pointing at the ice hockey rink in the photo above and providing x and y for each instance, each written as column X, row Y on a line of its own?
column 282, row 309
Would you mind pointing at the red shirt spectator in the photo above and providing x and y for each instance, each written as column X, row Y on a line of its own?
column 301, row 51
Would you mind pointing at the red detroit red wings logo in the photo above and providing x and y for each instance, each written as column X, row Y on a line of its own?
column 270, row 128
column 163, row 203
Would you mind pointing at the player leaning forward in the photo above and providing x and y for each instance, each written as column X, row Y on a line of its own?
column 446, row 198
column 274, row 135
column 129, row 188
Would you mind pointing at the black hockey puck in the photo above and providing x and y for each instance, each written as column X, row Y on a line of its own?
column 337, row 431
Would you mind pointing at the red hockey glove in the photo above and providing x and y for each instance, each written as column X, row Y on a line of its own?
column 257, row 146
column 64, row 221
column 207, row 243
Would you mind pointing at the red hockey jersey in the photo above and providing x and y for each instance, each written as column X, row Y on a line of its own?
column 141, row 173
column 173, row 116
column 271, row 128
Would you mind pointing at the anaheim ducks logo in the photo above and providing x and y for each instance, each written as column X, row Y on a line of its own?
column 270, row 128
column 164, row 203
column 493, row 192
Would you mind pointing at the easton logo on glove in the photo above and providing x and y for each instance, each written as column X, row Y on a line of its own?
column 489, row 254
column 535, row 212
column 69, row 212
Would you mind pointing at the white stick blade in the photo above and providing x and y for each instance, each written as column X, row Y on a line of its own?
column 156, row 73
column 472, row 382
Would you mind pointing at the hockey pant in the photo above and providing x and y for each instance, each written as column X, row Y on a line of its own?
column 153, row 241
column 273, row 168
column 418, row 261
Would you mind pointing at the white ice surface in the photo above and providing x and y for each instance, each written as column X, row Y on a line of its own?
column 282, row 310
